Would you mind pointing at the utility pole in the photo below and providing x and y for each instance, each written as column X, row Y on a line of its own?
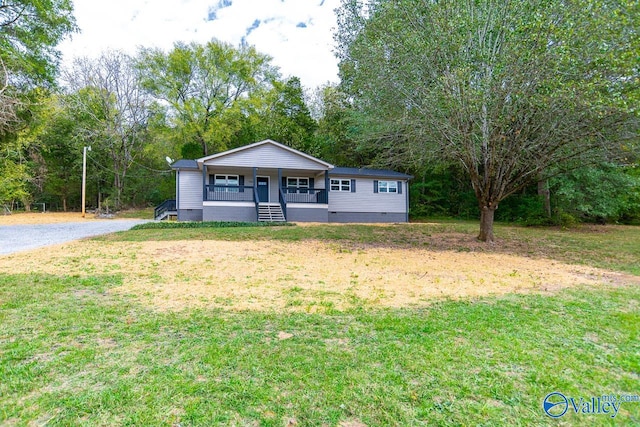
column 84, row 177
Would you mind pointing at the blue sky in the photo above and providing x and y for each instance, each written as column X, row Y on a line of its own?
column 296, row 33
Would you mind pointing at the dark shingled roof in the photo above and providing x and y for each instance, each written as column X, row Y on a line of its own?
column 377, row 173
column 185, row 164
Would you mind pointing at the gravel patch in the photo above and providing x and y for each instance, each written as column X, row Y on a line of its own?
column 16, row 238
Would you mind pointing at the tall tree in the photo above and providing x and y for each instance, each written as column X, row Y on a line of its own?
column 29, row 32
column 506, row 89
column 207, row 87
column 115, row 110
column 285, row 117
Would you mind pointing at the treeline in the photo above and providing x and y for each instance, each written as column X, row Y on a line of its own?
column 475, row 130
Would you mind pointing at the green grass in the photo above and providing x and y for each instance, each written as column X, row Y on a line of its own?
column 139, row 213
column 73, row 353
column 171, row 225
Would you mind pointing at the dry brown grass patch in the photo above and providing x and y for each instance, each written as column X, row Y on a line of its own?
column 300, row 276
column 45, row 218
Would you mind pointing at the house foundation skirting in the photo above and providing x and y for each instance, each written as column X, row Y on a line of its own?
column 189, row 214
column 229, row 212
column 367, row 217
column 300, row 212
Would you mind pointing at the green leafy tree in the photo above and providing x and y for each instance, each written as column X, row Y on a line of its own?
column 338, row 130
column 59, row 154
column 600, row 193
column 283, row 115
column 29, row 32
column 506, row 89
column 208, row 88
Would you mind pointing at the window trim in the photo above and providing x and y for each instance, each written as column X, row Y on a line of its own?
column 220, row 186
column 340, row 185
column 388, row 185
column 298, row 178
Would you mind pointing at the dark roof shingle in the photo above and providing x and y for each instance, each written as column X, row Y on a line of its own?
column 185, row 164
column 378, row 173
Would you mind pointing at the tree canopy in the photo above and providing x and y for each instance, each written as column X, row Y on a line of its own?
column 508, row 90
column 30, row 30
column 206, row 88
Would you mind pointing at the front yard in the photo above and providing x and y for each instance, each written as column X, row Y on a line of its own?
column 322, row 325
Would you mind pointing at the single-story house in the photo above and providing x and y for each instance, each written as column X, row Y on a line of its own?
column 268, row 181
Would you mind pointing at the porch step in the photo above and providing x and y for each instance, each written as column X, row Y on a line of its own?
column 271, row 212
column 166, row 215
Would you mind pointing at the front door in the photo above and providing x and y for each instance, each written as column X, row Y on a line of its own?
column 263, row 188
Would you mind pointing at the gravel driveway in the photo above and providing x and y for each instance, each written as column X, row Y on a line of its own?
column 15, row 238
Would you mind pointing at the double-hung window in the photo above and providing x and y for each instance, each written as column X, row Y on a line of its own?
column 341, row 185
column 387, row 186
column 297, row 185
column 221, row 181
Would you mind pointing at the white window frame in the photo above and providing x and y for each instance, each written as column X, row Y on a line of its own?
column 295, row 188
column 342, row 185
column 387, row 186
column 297, row 182
column 219, row 180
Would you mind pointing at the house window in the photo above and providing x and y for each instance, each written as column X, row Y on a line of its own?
column 387, row 186
column 297, row 185
column 224, row 180
column 341, row 185
column 298, row 182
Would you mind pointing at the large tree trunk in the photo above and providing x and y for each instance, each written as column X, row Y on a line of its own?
column 543, row 191
column 486, row 222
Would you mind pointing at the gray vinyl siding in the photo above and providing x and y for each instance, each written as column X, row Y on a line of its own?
column 266, row 156
column 229, row 213
column 189, row 189
column 364, row 200
column 189, row 214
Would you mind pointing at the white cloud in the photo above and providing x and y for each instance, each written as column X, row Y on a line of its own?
column 127, row 24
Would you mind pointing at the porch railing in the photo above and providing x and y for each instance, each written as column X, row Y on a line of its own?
column 305, row 195
column 229, row 193
column 245, row 193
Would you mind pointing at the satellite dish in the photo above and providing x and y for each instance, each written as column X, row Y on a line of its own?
column 169, row 160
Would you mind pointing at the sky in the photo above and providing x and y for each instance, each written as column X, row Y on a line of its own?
column 297, row 34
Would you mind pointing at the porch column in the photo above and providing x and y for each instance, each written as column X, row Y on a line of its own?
column 279, row 179
column 326, row 185
column 204, row 182
column 255, row 182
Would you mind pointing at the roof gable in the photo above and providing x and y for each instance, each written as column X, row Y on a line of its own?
column 265, row 154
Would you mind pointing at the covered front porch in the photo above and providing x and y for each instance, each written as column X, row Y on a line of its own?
column 264, row 194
